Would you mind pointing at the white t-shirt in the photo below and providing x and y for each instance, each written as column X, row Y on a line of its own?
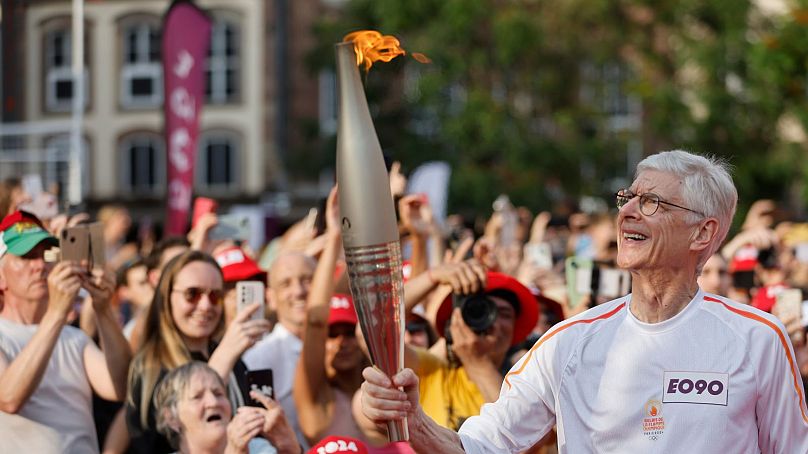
column 719, row 377
column 279, row 351
column 63, row 399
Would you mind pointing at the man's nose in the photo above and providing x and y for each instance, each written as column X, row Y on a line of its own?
column 631, row 208
column 300, row 289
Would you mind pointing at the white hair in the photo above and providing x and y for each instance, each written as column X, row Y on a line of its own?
column 707, row 187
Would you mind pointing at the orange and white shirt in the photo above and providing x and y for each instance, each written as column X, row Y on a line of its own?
column 719, row 377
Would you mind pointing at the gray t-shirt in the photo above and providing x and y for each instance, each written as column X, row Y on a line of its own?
column 63, row 399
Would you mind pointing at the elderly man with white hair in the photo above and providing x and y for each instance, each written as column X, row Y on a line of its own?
column 667, row 368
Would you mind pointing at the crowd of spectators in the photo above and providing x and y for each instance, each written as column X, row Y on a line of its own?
column 151, row 353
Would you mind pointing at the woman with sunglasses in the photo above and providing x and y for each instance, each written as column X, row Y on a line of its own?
column 183, row 320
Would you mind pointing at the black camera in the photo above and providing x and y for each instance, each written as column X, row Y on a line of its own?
column 479, row 312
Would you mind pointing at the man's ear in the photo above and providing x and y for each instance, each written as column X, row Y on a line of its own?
column 270, row 300
column 3, row 286
column 705, row 235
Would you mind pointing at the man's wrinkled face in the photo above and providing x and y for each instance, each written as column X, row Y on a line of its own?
column 26, row 277
column 658, row 241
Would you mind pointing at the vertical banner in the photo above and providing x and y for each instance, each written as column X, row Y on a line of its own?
column 186, row 39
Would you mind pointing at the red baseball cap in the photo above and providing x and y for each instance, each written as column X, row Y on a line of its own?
column 20, row 232
column 334, row 444
column 342, row 310
column 528, row 311
column 238, row 266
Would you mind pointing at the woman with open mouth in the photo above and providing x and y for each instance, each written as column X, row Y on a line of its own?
column 182, row 324
column 193, row 412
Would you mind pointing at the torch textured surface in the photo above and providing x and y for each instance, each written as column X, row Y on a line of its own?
column 369, row 231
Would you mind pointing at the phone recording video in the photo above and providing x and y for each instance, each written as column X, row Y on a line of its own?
column 249, row 293
column 260, row 381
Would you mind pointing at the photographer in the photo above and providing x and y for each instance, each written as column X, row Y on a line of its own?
column 34, row 338
column 479, row 327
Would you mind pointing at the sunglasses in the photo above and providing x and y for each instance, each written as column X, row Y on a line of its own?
column 194, row 294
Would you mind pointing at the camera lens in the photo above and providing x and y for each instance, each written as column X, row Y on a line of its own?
column 478, row 312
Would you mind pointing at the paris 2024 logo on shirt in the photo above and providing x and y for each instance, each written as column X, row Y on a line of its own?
column 653, row 424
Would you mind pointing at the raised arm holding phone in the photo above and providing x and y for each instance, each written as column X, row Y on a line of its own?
column 47, row 369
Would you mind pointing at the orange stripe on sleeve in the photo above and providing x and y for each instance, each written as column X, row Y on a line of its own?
column 553, row 333
column 783, row 343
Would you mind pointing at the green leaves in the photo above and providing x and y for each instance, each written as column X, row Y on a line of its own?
column 526, row 95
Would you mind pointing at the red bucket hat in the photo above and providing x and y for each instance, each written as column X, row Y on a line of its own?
column 238, row 266
column 528, row 306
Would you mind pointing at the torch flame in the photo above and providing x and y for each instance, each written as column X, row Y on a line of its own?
column 371, row 46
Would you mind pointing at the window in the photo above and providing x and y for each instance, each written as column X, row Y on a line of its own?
column 216, row 168
column 328, row 102
column 141, row 71
column 57, row 164
column 58, row 72
column 142, row 164
column 604, row 86
column 222, row 66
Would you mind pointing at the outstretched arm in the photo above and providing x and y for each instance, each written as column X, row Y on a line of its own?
column 383, row 402
column 311, row 385
column 106, row 370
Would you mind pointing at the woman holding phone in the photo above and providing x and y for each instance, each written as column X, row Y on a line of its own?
column 194, row 414
column 182, row 324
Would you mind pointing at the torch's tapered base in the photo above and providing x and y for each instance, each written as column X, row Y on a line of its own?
column 375, row 278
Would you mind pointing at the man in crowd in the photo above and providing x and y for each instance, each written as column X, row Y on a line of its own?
column 453, row 390
column 667, row 368
column 134, row 288
column 289, row 284
column 48, row 369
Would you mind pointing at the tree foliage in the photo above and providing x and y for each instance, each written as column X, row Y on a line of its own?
column 527, row 96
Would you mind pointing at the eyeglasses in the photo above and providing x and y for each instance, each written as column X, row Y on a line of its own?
column 194, row 294
column 649, row 202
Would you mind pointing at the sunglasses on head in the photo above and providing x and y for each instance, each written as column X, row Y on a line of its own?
column 194, row 294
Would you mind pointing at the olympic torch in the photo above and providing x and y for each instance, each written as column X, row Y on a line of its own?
column 369, row 229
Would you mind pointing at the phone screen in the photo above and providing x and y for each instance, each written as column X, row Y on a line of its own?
column 259, row 380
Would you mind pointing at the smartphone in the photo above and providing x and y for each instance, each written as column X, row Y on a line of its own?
column 259, row 380
column 578, row 271
column 250, row 292
column 231, row 227
column 789, row 305
column 98, row 253
column 614, row 283
column 202, row 205
column 74, row 244
column 540, row 255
